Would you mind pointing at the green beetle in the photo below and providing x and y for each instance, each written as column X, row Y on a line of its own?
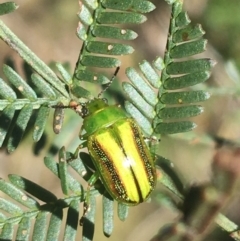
column 120, row 155
column 117, row 148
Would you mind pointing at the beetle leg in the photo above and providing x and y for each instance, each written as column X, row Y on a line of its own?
column 74, row 156
column 83, row 136
column 86, row 202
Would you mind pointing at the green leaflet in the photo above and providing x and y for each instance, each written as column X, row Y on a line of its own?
column 19, row 83
column 139, row 83
column 91, row 4
column 184, row 97
column 92, row 77
column 7, row 231
column 7, row 7
column 6, row 92
column 72, row 221
column 100, row 62
column 88, row 232
column 122, row 211
column 150, row 74
column 40, row 226
column 85, row 15
column 108, row 48
column 174, row 127
column 19, row 127
column 118, row 18
column 10, row 207
column 180, row 112
column 113, row 32
column 6, row 116
column 188, row 33
column 187, row 80
column 62, row 170
column 188, row 49
column 138, row 101
column 24, row 227
column 189, row 66
column 132, row 5
column 108, row 211
column 54, row 226
column 44, row 87
column 40, row 122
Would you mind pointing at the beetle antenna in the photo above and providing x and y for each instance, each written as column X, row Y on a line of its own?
column 110, row 82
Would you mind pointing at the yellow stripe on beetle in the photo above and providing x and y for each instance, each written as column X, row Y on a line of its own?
column 141, row 159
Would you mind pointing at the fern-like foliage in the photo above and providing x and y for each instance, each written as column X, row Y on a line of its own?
column 23, row 98
column 28, row 196
column 19, row 96
column 95, row 18
column 163, row 112
column 33, row 202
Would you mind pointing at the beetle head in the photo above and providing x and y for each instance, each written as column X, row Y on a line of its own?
column 92, row 107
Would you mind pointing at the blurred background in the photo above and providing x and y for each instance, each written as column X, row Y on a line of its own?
column 48, row 28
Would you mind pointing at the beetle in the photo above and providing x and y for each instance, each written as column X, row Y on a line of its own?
column 118, row 151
